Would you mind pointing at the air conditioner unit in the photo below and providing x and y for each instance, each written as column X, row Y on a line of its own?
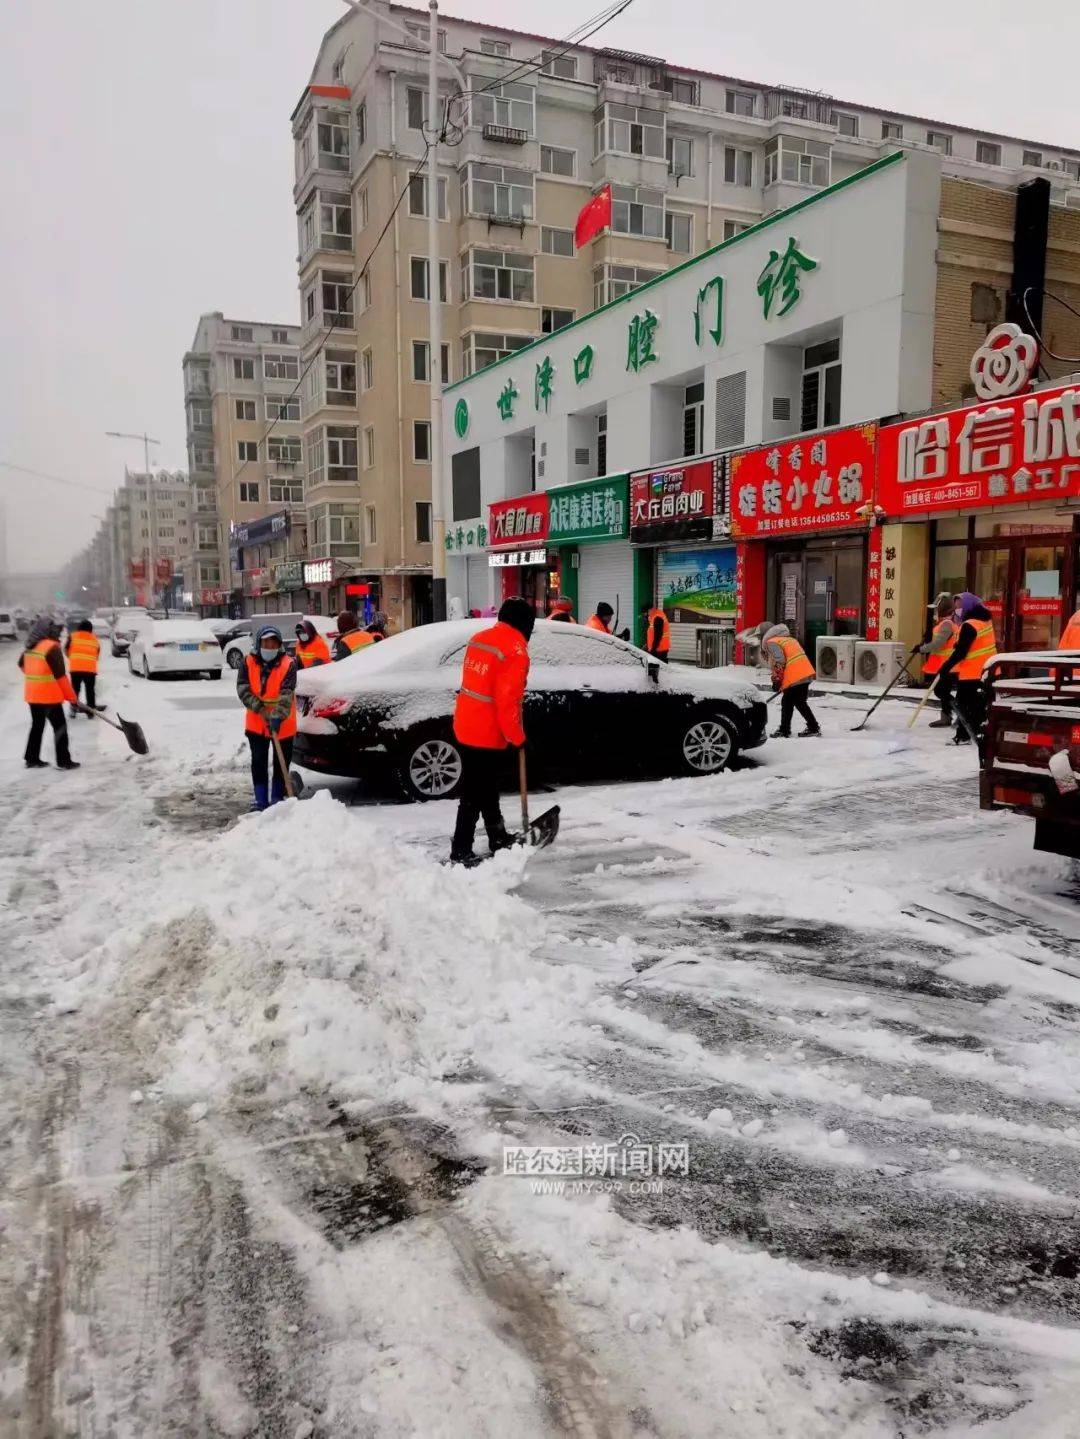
column 836, row 658
column 878, row 663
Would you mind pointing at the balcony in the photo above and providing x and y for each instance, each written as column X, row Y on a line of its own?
column 506, row 134
column 811, row 105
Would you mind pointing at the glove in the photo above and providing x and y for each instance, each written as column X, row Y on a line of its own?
column 273, row 722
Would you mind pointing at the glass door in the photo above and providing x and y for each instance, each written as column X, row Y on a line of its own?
column 991, row 582
column 1041, row 596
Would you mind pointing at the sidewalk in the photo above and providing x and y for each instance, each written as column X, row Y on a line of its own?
column 750, row 674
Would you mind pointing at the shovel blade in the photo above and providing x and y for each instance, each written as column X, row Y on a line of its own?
column 543, row 830
column 134, row 735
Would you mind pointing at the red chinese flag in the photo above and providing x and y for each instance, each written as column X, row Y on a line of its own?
column 595, row 216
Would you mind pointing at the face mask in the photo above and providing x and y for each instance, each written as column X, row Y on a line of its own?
column 268, row 654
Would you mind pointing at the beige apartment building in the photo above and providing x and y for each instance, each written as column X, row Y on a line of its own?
column 239, row 375
column 143, row 546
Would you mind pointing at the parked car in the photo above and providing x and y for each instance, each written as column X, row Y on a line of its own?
column 238, row 647
column 101, row 621
column 7, row 626
column 178, row 646
column 124, row 626
column 594, row 705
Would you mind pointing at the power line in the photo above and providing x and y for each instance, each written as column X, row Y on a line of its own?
column 57, row 479
column 1043, row 346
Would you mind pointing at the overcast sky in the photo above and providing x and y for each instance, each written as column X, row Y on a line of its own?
column 150, row 179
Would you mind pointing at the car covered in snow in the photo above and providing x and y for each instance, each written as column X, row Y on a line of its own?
column 594, row 705
column 178, row 646
column 7, row 626
column 125, row 623
column 237, row 645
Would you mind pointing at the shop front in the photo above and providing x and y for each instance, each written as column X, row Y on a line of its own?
column 518, row 551
column 470, row 580
column 588, row 531
column 324, row 581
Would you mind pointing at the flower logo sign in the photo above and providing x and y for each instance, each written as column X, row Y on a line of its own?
column 1003, row 363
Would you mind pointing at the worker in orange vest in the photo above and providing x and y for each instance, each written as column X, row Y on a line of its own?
column 601, row 620
column 657, row 632
column 266, row 686
column 352, row 638
column 1070, row 635
column 311, row 648
column 45, row 688
column 792, row 673
column 936, row 651
column 83, row 648
column 976, row 643
column 488, row 721
column 563, row 611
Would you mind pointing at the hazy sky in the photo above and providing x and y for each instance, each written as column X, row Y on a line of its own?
column 149, row 179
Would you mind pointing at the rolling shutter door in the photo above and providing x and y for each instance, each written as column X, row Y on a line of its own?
column 606, row 572
column 477, row 583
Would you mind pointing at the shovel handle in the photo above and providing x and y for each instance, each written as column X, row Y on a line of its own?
column 922, row 702
column 282, row 765
column 523, row 787
column 97, row 714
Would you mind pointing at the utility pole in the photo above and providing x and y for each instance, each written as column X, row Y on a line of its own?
column 151, row 505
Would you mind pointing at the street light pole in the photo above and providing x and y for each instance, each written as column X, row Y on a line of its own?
column 438, row 527
column 147, row 440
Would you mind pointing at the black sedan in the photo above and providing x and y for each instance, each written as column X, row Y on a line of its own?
column 594, row 706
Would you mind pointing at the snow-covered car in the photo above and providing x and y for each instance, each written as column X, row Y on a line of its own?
column 237, row 646
column 178, row 646
column 124, row 625
column 101, row 622
column 7, row 626
column 594, row 705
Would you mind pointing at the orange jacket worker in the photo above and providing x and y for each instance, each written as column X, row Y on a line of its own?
column 83, row 648
column 266, row 687
column 1070, row 635
column 311, row 648
column 657, row 632
column 45, row 688
column 601, row 620
column 792, row 673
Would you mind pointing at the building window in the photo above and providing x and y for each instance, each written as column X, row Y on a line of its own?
column 733, row 228
column 284, row 449
column 679, row 231
column 738, row 166
column 940, row 141
column 562, row 67
column 553, row 319
column 421, row 441
column 685, row 92
column 279, row 337
column 285, row 489
column 499, row 190
column 370, row 524
column 202, row 417
column 335, row 220
column 365, row 290
column 418, row 279
column 418, row 196
column 249, row 493
column 636, row 210
column 283, row 408
column 821, row 385
column 341, row 454
column 305, row 225
column 493, row 47
column 557, row 242
column 420, row 353
column 243, row 333
column 511, row 105
column 243, row 369
column 369, row 447
column 799, row 162
column 987, row 154
column 245, row 409
column 423, row 522
column 497, row 275
column 480, row 349
column 740, row 102
column 419, row 32
column 892, row 130
column 415, row 109
column 601, row 443
column 362, row 210
column 680, row 155
column 281, row 367
column 247, row 450
column 337, row 300
column 367, row 370
column 611, row 282
column 333, row 132
column 1033, row 157
column 847, row 124
column 554, row 161
column 340, row 375
column 694, row 419
column 627, row 130
column 361, row 123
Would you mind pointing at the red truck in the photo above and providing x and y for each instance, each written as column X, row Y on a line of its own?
column 1031, row 750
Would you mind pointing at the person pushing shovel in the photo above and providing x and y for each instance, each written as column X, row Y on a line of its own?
column 266, row 685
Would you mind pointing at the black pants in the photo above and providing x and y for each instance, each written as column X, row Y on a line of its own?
column 946, row 693
column 80, row 680
column 481, row 772
column 55, row 715
column 264, row 759
column 971, row 706
column 663, row 658
column 796, row 698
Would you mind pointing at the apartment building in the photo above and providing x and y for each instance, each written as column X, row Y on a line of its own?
column 239, row 376
column 143, row 546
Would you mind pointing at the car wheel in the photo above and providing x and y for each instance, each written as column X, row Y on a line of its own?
column 234, row 658
column 430, row 766
column 707, row 745
column 145, row 668
column 131, row 667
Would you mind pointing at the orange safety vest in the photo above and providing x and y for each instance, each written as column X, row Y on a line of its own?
column 40, row 685
column 594, row 622
column 932, row 663
column 797, row 666
column 83, row 651
column 664, row 643
column 982, row 647
column 255, row 723
column 487, row 712
column 1070, row 635
column 312, row 652
column 354, row 640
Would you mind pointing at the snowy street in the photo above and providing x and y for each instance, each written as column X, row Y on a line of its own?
column 257, row 1075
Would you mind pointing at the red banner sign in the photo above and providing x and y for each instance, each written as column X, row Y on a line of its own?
column 797, row 486
column 138, row 569
column 511, row 521
column 688, row 493
column 873, row 585
column 212, row 597
column 1005, row 452
column 1029, row 606
column 163, row 568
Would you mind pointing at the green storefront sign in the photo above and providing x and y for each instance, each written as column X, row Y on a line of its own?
column 593, row 510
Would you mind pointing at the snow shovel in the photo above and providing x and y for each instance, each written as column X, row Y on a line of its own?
column 283, row 766
column 131, row 731
column 922, row 702
column 902, row 671
column 540, row 833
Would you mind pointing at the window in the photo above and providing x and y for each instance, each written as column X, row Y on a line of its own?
column 416, row 109
column 167, row 532
column 340, row 372
column 419, row 36
column 247, row 450
column 738, row 166
column 335, row 220
column 207, row 537
column 370, row 524
column 740, row 102
column 499, row 190
column 284, row 449
column 418, row 279
column 305, row 225
column 201, row 417
column 554, row 161
column 421, row 441
column 286, row 489
column 601, row 443
column 249, row 493
column 279, row 337
column 940, row 141
column 418, row 196
column 847, row 124
column 680, row 155
column 892, row 130
column 552, row 320
column 309, row 303
column 684, row 91
column 243, row 369
column 636, row 210
column 361, row 123
column 245, row 409
column 367, row 370
column 243, row 332
column 423, row 522
column 800, row 162
column 362, row 211
column 987, row 154
column 562, row 67
column 497, row 275
column 679, row 231
column 694, row 419
column 493, row 47
column 283, row 408
column 610, row 282
column 420, row 354
column 341, row 454
column 511, row 105
column 821, row 385
column 557, row 242
column 733, row 228
column 333, row 132
column 1033, row 157
column 281, row 367
column 479, row 349
column 630, row 131
column 337, row 299
column 369, row 447
column 303, row 152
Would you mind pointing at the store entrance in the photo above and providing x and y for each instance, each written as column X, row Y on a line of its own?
column 817, row 587
column 1026, row 583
